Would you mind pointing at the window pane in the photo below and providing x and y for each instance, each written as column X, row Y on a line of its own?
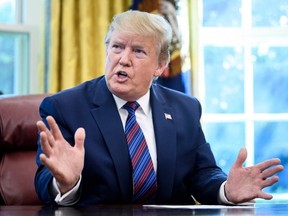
column 14, row 63
column 224, row 80
column 269, row 13
column 6, row 64
column 270, row 79
column 225, row 139
column 7, row 11
column 271, row 140
column 230, row 70
column 221, row 13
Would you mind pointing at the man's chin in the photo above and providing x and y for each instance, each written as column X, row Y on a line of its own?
column 124, row 94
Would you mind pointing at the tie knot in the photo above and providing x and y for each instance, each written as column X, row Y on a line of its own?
column 131, row 106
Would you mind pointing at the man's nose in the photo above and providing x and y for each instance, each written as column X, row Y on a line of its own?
column 125, row 58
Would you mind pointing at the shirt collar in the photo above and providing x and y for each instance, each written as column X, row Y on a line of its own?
column 143, row 101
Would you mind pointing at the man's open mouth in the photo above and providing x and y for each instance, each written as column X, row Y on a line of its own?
column 121, row 74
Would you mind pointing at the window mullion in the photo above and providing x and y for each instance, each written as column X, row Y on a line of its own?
column 19, row 11
column 248, row 81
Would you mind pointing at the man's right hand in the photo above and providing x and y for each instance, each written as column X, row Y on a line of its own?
column 65, row 162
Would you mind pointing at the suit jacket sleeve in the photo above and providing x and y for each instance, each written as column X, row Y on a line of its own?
column 186, row 164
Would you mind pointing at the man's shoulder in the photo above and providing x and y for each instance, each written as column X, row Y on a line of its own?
column 82, row 88
column 77, row 94
column 169, row 94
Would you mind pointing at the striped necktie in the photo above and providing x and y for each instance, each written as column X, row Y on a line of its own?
column 144, row 176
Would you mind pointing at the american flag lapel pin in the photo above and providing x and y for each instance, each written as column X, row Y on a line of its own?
column 167, row 116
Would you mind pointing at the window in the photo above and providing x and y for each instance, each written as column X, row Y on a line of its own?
column 18, row 49
column 241, row 79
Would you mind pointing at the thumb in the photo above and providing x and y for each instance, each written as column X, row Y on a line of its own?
column 79, row 138
column 242, row 156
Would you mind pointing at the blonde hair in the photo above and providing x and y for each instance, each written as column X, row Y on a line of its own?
column 145, row 24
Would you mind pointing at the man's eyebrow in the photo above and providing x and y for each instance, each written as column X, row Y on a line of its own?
column 138, row 46
column 116, row 42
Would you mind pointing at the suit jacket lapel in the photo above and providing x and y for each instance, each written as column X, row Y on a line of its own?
column 165, row 135
column 106, row 114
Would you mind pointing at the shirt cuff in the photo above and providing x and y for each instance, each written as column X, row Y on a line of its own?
column 222, row 199
column 70, row 197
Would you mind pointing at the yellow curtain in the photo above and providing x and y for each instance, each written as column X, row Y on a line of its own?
column 193, row 15
column 77, row 31
column 42, row 53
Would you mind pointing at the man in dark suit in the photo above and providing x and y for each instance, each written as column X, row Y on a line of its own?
column 83, row 157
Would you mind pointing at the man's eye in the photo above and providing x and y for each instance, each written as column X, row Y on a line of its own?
column 116, row 48
column 140, row 53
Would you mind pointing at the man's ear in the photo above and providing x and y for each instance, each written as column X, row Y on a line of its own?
column 162, row 66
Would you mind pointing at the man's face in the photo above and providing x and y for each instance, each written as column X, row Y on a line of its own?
column 131, row 64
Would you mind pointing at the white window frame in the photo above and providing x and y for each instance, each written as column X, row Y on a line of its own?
column 19, row 85
column 28, row 16
column 249, row 38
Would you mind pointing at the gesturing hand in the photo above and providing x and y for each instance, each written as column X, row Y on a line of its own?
column 63, row 160
column 246, row 183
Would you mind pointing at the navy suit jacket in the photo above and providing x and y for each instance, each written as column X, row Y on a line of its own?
column 186, row 165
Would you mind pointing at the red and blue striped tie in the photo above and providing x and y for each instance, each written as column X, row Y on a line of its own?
column 144, row 176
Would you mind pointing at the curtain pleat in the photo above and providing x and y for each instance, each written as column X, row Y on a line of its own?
column 193, row 14
column 77, row 32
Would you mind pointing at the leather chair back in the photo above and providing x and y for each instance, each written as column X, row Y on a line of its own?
column 18, row 145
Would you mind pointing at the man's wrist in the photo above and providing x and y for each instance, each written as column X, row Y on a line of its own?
column 222, row 199
column 68, row 198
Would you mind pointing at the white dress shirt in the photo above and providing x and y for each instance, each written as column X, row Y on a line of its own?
column 144, row 118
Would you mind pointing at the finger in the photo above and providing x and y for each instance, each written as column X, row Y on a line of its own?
column 270, row 181
column 47, row 162
column 41, row 126
column 79, row 138
column 45, row 145
column 43, row 159
column 241, row 158
column 268, row 163
column 43, row 133
column 44, row 129
column 264, row 196
column 272, row 171
column 54, row 128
